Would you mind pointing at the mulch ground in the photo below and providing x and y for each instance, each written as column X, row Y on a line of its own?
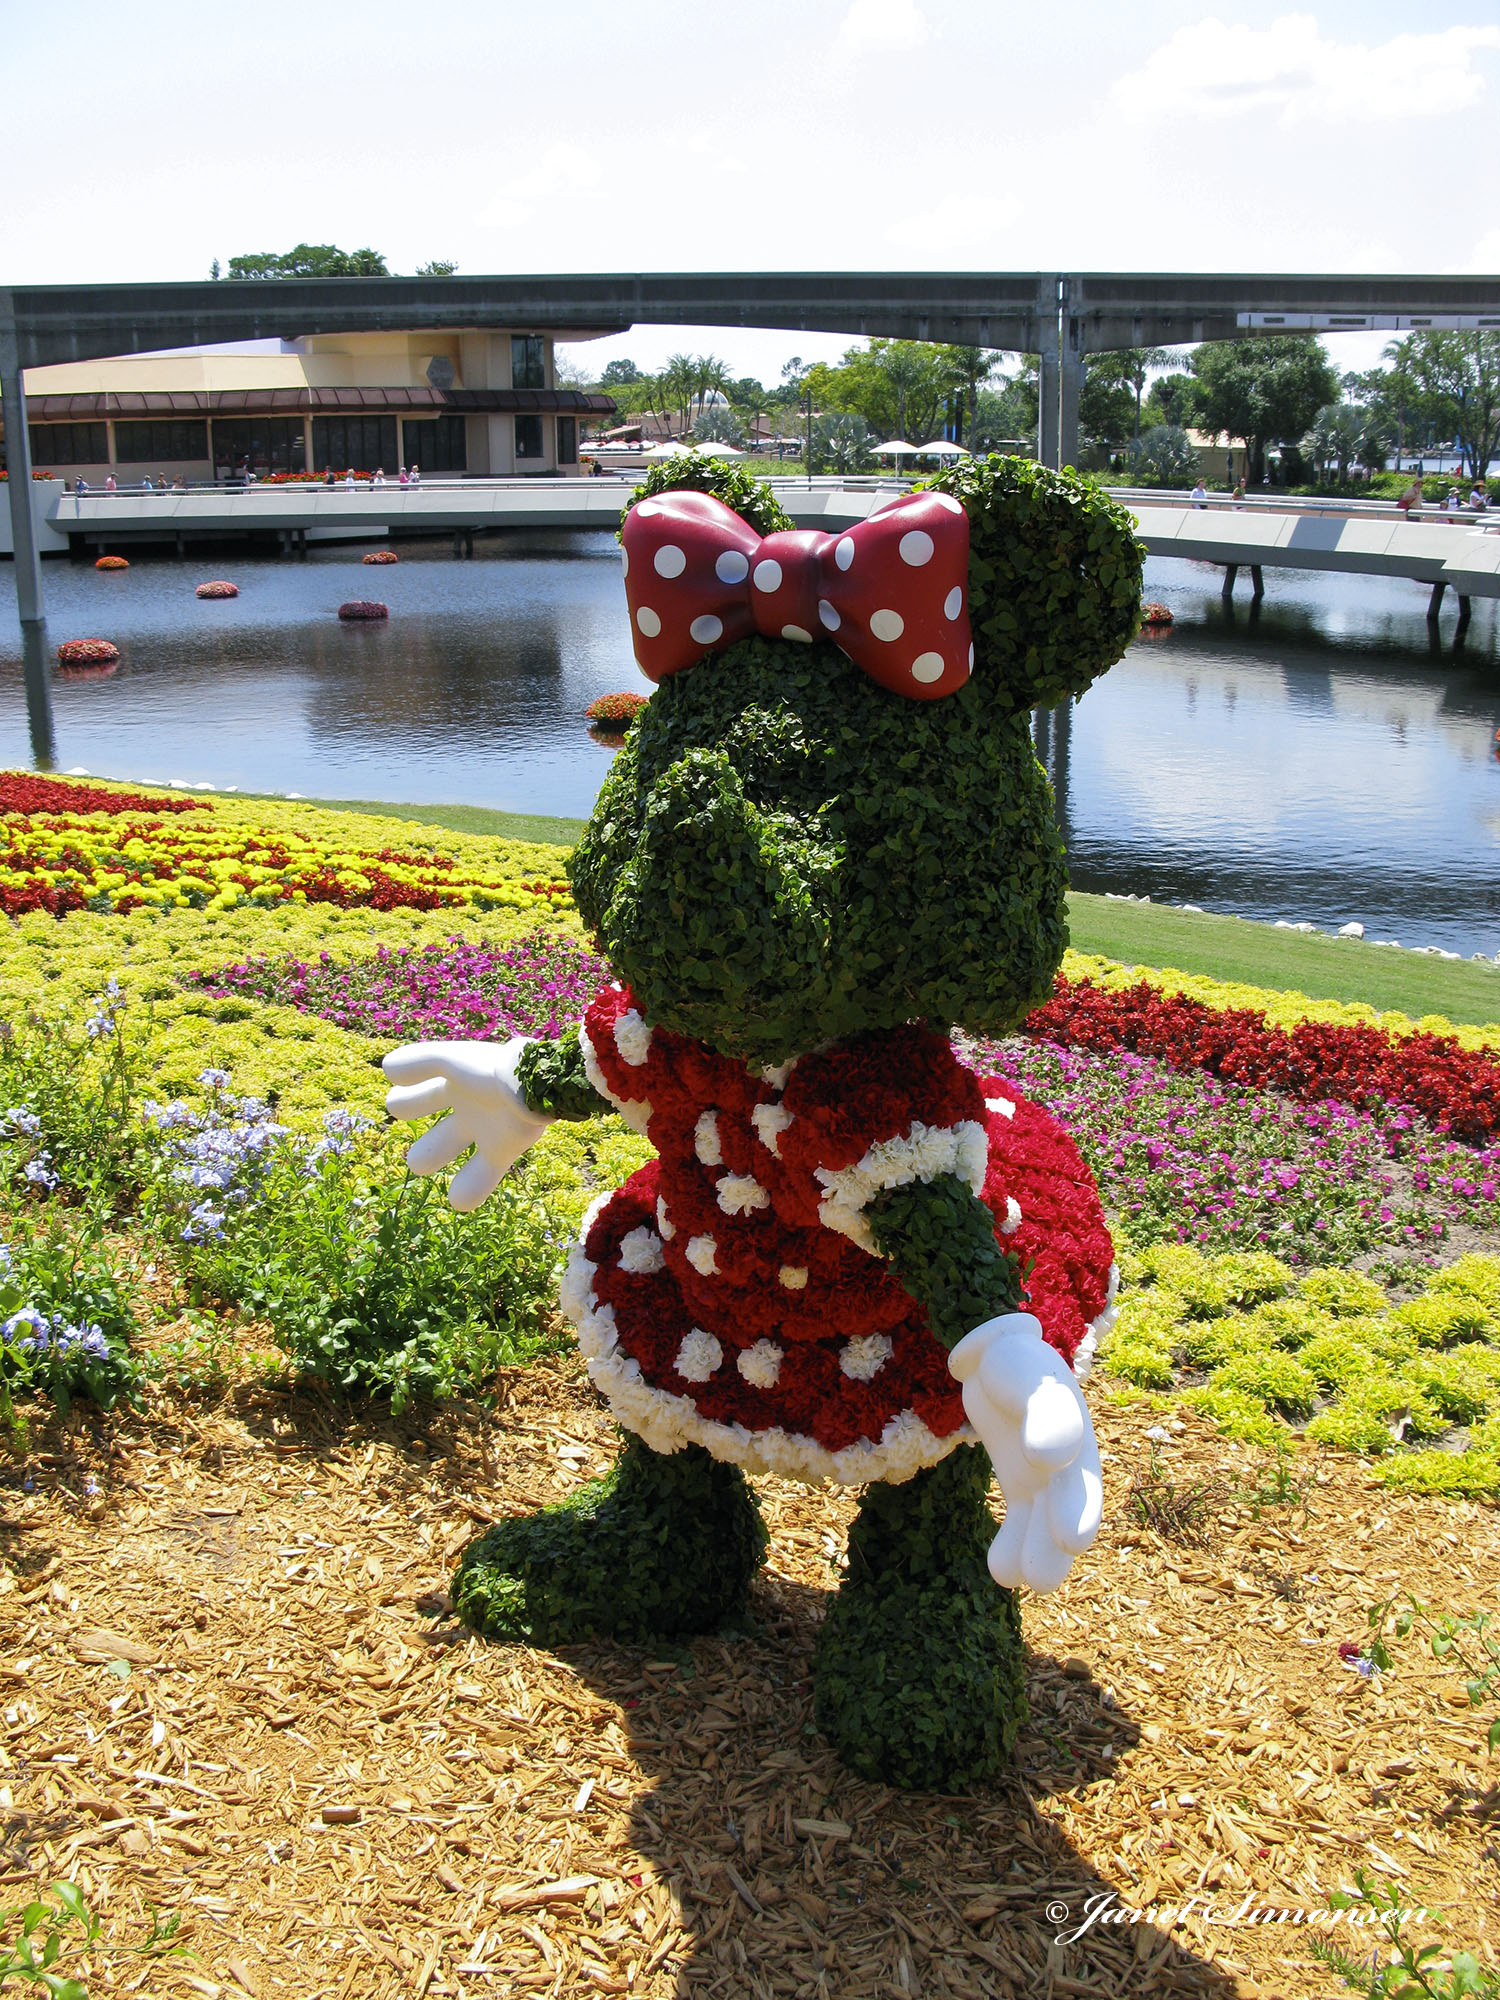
column 231, row 1689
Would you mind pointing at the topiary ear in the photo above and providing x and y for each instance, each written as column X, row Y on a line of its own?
column 1054, row 578
column 748, row 496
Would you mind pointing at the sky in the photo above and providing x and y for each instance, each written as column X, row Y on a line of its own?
column 796, row 135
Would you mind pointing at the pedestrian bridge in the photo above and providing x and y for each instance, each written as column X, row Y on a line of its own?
column 1456, row 552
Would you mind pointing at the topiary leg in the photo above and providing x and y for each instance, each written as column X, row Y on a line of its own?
column 663, row 1544
column 918, row 1675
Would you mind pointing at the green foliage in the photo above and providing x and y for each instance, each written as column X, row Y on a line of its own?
column 941, row 1241
column 1138, row 1361
column 1413, row 1972
column 1462, row 1386
column 1474, row 1277
column 1164, row 455
column 1337, row 1360
column 1262, row 390
column 1208, row 1343
column 65, row 1323
column 1344, row 1293
column 1054, row 579
column 310, row 260
column 1373, row 1415
column 841, row 443
column 573, row 1163
column 69, row 1110
column 1470, row 1642
column 371, row 1282
column 752, row 500
column 1237, row 1414
column 664, row 1545
column 771, row 860
column 1453, row 380
column 1440, row 1319
column 1275, row 1381
column 1179, row 1510
column 918, row 1677
column 34, row 1935
column 553, row 1080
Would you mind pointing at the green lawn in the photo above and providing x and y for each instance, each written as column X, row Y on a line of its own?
column 1322, row 967
column 458, row 819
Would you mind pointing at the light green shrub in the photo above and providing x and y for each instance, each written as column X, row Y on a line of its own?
column 1188, row 1275
column 1292, row 1322
column 1250, row 1277
column 1338, row 1360
column 1342, row 1293
column 1473, row 1475
column 1271, row 1379
column 1443, row 1319
column 1474, row 1277
column 1238, row 1416
column 1459, row 1385
column 1352, row 1425
column 1207, row 1343
column 1137, row 1361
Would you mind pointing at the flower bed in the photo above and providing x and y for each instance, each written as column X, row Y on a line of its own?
column 61, row 860
column 614, row 713
column 380, row 556
column 363, row 611
column 111, row 562
column 1456, row 1089
column 22, row 793
column 1155, row 616
column 457, row 989
column 219, row 589
column 87, row 653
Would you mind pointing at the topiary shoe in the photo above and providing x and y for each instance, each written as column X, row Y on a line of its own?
column 664, row 1544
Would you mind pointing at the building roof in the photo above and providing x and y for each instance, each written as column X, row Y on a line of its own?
column 316, row 399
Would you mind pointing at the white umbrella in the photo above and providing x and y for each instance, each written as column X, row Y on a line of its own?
column 669, row 449
column 713, row 449
column 895, row 448
column 941, row 448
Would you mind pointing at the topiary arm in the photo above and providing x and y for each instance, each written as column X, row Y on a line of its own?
column 940, row 1239
column 552, row 1079
column 1019, row 1393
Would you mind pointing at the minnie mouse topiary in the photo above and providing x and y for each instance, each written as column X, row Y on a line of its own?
column 825, row 844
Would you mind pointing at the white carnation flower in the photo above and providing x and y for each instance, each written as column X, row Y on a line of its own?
column 761, row 1364
column 699, row 1356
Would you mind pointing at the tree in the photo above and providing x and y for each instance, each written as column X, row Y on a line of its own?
column 841, row 442
column 1104, row 402
column 309, row 260
column 1163, row 457
column 1135, row 364
column 1455, row 380
column 718, row 424
column 1345, row 435
column 1170, row 400
column 440, row 267
column 619, row 374
column 1263, row 390
column 971, row 368
column 1007, row 416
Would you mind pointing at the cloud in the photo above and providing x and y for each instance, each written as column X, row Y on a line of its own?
column 1486, row 257
column 881, row 27
column 561, row 169
column 1293, row 73
column 963, row 224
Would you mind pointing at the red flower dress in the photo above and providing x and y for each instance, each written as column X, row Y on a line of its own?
column 730, row 1294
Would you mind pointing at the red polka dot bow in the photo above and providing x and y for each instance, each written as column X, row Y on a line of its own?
column 892, row 593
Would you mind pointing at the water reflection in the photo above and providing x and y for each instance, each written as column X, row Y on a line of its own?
column 1323, row 754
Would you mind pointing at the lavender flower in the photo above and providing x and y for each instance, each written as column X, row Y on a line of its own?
column 24, row 1124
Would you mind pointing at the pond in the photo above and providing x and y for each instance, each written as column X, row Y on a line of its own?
column 1320, row 758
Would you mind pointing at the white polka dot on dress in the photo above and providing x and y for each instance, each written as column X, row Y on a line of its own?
column 699, row 1356
column 862, row 1359
column 887, row 624
column 700, row 1254
column 706, row 1139
column 916, row 548
column 971, row 659
column 732, row 566
column 761, row 1364
column 624, row 561
column 669, row 560
column 843, row 555
column 706, row 629
column 947, row 500
column 797, row 632
column 647, row 508
column 768, row 575
column 648, row 621
column 828, row 617
column 927, row 667
column 953, row 603
column 794, row 1277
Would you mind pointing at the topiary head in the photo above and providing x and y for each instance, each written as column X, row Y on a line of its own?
column 786, row 852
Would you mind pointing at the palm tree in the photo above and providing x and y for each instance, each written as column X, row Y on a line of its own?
column 679, row 386
column 711, row 376
column 972, row 368
column 1135, row 364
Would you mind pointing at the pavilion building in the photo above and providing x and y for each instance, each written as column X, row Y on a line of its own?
column 452, row 402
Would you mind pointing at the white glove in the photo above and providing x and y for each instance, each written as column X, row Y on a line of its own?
column 475, row 1083
column 1020, row 1396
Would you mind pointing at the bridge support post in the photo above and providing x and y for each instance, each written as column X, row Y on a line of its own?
column 1069, row 393
column 1434, row 603
column 28, row 554
column 1465, row 608
column 1231, row 571
column 1259, row 582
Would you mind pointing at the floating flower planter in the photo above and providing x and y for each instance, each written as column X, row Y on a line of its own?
column 220, row 589
column 87, row 653
column 111, row 562
column 607, row 739
column 613, row 715
column 360, row 612
column 1156, row 615
column 381, row 556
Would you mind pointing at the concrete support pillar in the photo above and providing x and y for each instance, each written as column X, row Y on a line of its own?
column 1464, row 610
column 1069, row 393
column 1434, row 603
column 307, row 445
column 1258, row 579
column 18, row 462
column 1231, row 571
column 1047, row 398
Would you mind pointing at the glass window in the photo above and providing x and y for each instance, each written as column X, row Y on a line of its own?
column 69, row 444
column 357, row 444
column 437, row 444
column 528, row 361
column 173, row 438
column 271, row 444
column 528, row 437
column 567, row 440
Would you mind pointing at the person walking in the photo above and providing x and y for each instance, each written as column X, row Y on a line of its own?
column 80, row 486
column 1478, row 498
column 379, row 479
column 404, row 480
column 1239, row 493
column 1410, row 502
column 416, row 475
column 109, row 482
column 1199, row 494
